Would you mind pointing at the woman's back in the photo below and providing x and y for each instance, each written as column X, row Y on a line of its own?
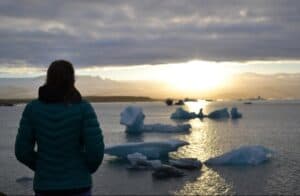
column 68, row 138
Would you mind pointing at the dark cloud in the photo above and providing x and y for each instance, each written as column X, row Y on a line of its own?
column 118, row 32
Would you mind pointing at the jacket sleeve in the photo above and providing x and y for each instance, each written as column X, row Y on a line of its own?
column 25, row 140
column 92, row 139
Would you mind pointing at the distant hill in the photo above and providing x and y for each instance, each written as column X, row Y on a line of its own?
column 7, row 102
column 245, row 85
column 277, row 86
column 11, row 88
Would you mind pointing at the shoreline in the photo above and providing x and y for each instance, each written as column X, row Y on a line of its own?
column 94, row 99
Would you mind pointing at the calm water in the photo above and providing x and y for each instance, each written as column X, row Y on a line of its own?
column 275, row 125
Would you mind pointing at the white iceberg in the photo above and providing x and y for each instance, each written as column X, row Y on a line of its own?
column 152, row 150
column 133, row 118
column 235, row 114
column 246, row 155
column 139, row 161
column 182, row 114
column 219, row 114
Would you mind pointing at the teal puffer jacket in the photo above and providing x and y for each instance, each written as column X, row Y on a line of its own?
column 69, row 144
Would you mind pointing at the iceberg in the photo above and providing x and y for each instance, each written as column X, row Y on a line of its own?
column 219, row 114
column 235, row 114
column 133, row 118
column 152, row 150
column 246, row 155
column 181, row 114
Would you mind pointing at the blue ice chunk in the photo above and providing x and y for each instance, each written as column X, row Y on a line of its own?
column 133, row 118
column 235, row 114
column 152, row 150
column 139, row 161
column 219, row 114
column 246, row 155
column 181, row 114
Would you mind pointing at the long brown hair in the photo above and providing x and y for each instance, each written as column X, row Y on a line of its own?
column 60, row 83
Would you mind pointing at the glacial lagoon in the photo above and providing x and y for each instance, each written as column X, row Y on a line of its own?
column 273, row 124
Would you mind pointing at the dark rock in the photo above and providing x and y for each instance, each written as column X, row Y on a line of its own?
column 186, row 163
column 169, row 102
column 166, row 171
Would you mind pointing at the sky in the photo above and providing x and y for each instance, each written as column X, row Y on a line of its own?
column 151, row 40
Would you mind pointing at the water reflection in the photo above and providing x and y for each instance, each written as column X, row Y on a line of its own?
column 209, row 183
column 243, row 179
column 204, row 143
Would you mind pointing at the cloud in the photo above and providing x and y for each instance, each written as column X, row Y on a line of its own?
column 115, row 32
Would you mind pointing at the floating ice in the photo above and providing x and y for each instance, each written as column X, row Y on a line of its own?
column 133, row 117
column 219, row 114
column 246, row 155
column 183, row 115
column 235, row 114
column 135, row 158
column 186, row 163
column 139, row 161
column 152, row 150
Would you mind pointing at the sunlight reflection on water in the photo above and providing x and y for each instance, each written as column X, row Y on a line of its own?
column 203, row 145
column 193, row 106
column 209, row 183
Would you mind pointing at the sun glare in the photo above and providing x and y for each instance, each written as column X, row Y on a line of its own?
column 186, row 76
column 197, row 75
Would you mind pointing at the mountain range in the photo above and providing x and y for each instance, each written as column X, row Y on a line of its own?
column 244, row 85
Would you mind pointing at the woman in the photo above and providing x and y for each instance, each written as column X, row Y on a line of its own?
column 67, row 134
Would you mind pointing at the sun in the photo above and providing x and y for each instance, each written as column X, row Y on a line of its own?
column 197, row 75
